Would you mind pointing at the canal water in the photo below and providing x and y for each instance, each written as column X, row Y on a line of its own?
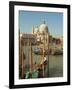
column 56, row 66
column 55, row 63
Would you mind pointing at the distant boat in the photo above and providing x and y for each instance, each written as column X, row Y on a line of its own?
column 39, row 51
column 57, row 52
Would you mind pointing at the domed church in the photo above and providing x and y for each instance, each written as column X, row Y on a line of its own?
column 41, row 32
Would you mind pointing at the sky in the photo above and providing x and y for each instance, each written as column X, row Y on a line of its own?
column 54, row 21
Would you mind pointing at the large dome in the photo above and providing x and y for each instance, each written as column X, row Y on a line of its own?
column 43, row 29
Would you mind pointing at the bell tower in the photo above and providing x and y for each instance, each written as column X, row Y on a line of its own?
column 33, row 29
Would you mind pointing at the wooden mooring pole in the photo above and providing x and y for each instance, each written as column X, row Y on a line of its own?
column 30, row 59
